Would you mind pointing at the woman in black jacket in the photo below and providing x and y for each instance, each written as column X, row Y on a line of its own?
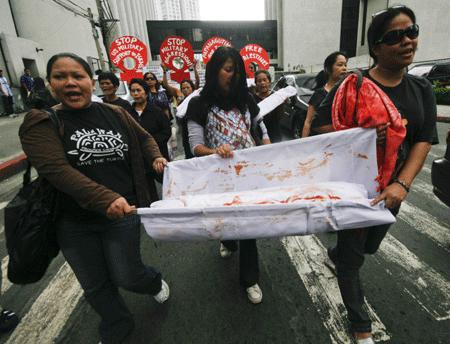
column 151, row 117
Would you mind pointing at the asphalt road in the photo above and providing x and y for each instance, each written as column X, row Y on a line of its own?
column 407, row 286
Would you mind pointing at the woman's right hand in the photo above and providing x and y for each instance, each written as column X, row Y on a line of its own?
column 225, row 151
column 119, row 208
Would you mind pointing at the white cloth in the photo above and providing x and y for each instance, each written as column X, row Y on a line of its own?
column 5, row 87
column 321, row 183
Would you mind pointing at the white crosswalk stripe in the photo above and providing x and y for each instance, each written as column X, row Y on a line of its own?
column 419, row 280
column 50, row 311
column 307, row 255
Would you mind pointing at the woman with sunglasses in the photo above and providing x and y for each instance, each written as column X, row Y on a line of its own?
column 392, row 37
column 157, row 95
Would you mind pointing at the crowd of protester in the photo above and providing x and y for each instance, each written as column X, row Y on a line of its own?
column 98, row 229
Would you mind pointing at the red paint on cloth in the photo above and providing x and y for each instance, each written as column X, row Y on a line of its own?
column 373, row 108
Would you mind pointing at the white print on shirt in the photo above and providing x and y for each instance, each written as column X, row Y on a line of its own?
column 98, row 143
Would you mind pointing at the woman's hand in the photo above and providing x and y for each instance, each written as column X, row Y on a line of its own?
column 159, row 164
column 119, row 208
column 393, row 196
column 225, row 151
column 381, row 133
column 164, row 68
column 266, row 141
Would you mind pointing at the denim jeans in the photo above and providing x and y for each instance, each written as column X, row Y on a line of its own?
column 103, row 258
column 348, row 255
column 248, row 260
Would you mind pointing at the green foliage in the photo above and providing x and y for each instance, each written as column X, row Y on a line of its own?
column 442, row 94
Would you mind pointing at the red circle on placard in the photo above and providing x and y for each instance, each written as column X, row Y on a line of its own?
column 254, row 55
column 128, row 47
column 211, row 46
column 176, row 53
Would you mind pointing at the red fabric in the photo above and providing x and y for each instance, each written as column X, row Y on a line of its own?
column 374, row 108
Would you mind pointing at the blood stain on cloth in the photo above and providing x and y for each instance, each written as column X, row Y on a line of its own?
column 362, row 156
column 236, row 201
column 305, row 168
column 239, row 166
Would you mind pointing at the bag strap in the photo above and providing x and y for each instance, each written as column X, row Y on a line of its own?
column 58, row 126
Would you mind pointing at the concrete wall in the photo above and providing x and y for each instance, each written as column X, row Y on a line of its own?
column 311, row 30
column 54, row 28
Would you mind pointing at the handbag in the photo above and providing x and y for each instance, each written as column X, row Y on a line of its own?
column 30, row 229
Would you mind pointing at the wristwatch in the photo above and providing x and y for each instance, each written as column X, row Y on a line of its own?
column 402, row 183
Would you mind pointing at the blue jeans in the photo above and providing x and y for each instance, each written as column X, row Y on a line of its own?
column 104, row 257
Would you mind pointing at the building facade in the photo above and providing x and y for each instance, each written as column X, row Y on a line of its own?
column 308, row 30
column 132, row 15
column 32, row 31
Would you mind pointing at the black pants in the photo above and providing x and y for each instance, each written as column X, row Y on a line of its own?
column 248, row 260
column 8, row 104
column 348, row 255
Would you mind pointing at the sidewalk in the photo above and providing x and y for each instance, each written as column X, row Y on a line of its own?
column 443, row 112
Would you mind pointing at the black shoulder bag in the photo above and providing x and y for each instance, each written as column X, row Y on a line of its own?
column 30, row 226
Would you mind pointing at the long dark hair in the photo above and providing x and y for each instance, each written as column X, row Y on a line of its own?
column 324, row 75
column 381, row 21
column 77, row 58
column 238, row 95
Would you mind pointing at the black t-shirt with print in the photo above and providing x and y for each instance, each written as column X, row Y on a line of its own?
column 120, row 102
column 96, row 144
column 414, row 100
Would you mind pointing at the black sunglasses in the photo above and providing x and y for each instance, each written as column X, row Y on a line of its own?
column 150, row 78
column 396, row 36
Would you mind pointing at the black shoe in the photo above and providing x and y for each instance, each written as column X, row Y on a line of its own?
column 330, row 261
column 8, row 320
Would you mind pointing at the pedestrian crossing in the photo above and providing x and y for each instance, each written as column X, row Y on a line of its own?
column 423, row 284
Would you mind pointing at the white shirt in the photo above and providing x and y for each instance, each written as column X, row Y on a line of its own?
column 5, row 86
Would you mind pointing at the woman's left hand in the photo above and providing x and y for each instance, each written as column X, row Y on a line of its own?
column 159, row 164
column 393, row 196
column 266, row 141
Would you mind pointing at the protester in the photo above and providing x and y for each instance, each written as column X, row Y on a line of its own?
column 97, row 164
column 157, row 95
column 334, row 67
column 109, row 83
column 186, row 85
column 272, row 119
column 41, row 97
column 26, row 85
column 7, row 96
column 220, row 120
column 153, row 120
column 392, row 38
column 186, row 89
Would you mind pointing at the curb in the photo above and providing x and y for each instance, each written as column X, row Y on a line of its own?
column 443, row 119
column 13, row 166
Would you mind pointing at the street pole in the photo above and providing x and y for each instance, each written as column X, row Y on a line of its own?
column 97, row 44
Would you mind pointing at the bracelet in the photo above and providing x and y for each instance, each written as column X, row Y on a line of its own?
column 402, row 183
